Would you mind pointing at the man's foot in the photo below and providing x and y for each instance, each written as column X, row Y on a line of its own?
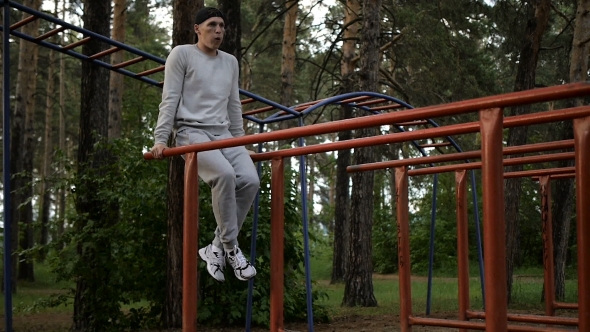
column 242, row 268
column 215, row 259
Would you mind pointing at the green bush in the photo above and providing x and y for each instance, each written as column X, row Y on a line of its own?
column 124, row 262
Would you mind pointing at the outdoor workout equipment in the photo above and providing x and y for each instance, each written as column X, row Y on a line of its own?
column 358, row 100
column 495, row 309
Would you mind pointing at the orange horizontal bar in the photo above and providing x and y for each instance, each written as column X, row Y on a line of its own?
column 539, row 319
column 564, row 305
column 412, row 123
column 557, row 176
column 129, row 62
column 537, row 147
column 151, row 71
column 447, row 323
column 435, row 145
column 247, row 101
column 50, row 33
column 386, row 107
column 105, row 52
column 372, row 102
column 507, row 162
column 539, row 172
column 476, row 325
column 76, row 44
column 509, row 99
column 22, row 22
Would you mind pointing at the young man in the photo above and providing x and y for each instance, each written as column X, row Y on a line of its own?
column 201, row 101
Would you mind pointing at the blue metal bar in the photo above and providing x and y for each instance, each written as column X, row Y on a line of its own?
column 6, row 165
column 85, row 58
column 304, row 207
column 269, row 102
column 86, row 32
column 253, row 239
column 431, row 254
column 478, row 237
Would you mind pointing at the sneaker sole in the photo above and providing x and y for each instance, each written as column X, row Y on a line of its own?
column 204, row 258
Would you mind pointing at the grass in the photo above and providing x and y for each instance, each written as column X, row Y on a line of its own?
column 526, row 293
column 527, row 288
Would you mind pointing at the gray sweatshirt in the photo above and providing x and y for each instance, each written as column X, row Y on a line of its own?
column 200, row 91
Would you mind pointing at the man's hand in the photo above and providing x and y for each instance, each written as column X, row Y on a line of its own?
column 158, row 151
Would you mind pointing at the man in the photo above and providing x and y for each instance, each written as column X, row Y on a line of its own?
column 201, row 100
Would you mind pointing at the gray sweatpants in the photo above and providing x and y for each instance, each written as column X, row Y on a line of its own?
column 233, row 179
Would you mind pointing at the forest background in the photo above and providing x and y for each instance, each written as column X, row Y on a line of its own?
column 107, row 222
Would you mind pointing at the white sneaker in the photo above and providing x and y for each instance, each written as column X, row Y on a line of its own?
column 242, row 268
column 215, row 259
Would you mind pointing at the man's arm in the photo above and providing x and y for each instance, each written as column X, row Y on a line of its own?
column 173, row 82
column 234, row 106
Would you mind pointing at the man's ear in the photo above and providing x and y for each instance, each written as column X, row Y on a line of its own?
column 196, row 28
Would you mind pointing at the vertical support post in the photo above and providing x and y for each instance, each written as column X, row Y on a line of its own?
column 403, row 247
column 462, row 244
column 190, row 242
column 547, row 231
column 6, row 164
column 582, row 147
column 277, row 243
column 492, row 173
column 431, row 252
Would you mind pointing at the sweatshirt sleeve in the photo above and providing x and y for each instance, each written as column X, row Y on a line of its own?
column 173, row 83
column 234, row 105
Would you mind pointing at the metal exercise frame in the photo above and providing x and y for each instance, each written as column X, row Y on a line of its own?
column 490, row 127
column 298, row 111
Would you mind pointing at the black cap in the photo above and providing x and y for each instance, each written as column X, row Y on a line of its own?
column 206, row 13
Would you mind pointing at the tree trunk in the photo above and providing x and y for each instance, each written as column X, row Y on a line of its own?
column 564, row 189
column 184, row 12
column 538, row 17
column 94, row 118
column 288, row 64
column 22, row 147
column 44, row 191
column 342, row 199
column 116, row 82
column 232, row 41
column 358, row 290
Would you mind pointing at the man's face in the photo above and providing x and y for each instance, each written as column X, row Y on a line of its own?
column 211, row 32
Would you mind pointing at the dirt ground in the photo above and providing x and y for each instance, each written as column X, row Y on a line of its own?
column 62, row 322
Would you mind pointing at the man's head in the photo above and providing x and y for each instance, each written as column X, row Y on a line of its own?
column 210, row 28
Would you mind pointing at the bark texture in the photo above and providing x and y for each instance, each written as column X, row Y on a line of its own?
column 538, row 18
column 358, row 290
column 342, row 199
column 184, row 12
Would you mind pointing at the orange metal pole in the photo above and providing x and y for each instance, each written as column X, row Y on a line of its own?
column 384, row 119
column 190, row 242
column 277, row 242
column 529, row 148
column 567, row 306
column 582, row 144
column 478, row 326
column 493, row 217
column 540, row 172
column 538, row 319
column 547, row 227
column 403, row 248
column 462, row 244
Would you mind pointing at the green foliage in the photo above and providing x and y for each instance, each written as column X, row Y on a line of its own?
column 130, row 250
column 225, row 303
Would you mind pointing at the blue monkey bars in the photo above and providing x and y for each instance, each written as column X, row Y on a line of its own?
column 158, row 66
